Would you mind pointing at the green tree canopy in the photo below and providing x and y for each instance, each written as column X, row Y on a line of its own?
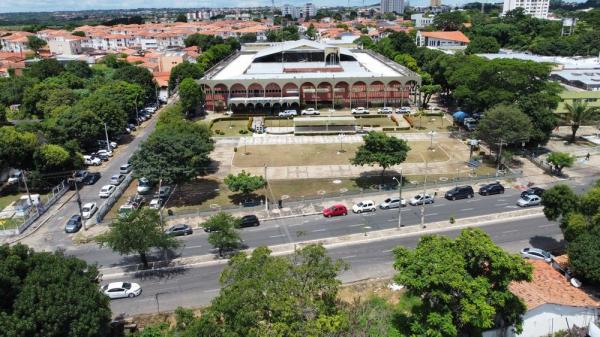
column 483, row 44
column 559, row 201
column 580, row 113
column 381, row 149
column 181, row 18
column 190, row 95
column 505, row 123
column 35, row 43
column 17, row 148
column 182, row 71
column 244, row 182
column 44, row 68
column 560, row 160
column 138, row 232
column 449, row 20
column 223, row 234
column 462, row 283
column 140, row 76
column 203, row 41
column 79, row 68
column 50, row 294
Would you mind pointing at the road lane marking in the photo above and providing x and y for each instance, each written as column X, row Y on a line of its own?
column 356, row 225
column 501, row 199
column 502, row 204
column 277, row 236
column 387, row 251
column 467, row 209
column 513, row 206
column 319, row 230
column 348, row 257
column 190, row 247
column 511, row 231
column 548, row 225
column 432, row 213
column 211, row 290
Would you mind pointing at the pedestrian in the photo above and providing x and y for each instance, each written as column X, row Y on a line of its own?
column 587, row 156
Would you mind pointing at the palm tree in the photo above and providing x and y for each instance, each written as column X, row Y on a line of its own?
column 580, row 113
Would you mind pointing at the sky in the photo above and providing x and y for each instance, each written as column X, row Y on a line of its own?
column 74, row 5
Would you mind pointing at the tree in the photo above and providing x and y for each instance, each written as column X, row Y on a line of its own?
column 50, row 294
column 560, row 160
column 182, row 71
column 559, row 201
column 462, row 284
column 202, row 41
column 44, row 69
column 381, row 149
column 311, row 32
column 82, row 126
column 79, row 68
column 449, row 21
column 407, row 61
column 223, row 234
column 244, row 182
column 248, row 38
column 181, row 18
column 506, row 123
column 17, row 148
column 190, row 95
column 78, row 33
column 584, row 255
column 53, row 158
column 140, row 76
column 580, row 113
column 137, row 232
column 175, row 152
column 483, row 44
column 35, row 43
column 365, row 41
column 428, row 90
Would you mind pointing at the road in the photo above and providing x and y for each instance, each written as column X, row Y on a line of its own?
column 52, row 235
column 197, row 286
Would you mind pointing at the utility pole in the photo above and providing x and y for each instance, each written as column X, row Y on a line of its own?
column 137, row 116
column 266, row 191
column 423, row 203
column 399, row 195
column 160, row 205
column 79, row 204
column 499, row 155
column 107, row 141
column 27, row 188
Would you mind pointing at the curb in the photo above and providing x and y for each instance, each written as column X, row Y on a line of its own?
column 331, row 242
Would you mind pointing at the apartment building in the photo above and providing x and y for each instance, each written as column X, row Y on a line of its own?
column 535, row 8
column 308, row 10
column 392, row 6
column 14, row 42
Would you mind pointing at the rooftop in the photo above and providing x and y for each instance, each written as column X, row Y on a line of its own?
column 550, row 287
column 450, row 36
column 585, row 76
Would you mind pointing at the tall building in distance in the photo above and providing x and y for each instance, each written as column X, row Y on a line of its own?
column 307, row 10
column 392, row 6
column 535, row 8
column 435, row 3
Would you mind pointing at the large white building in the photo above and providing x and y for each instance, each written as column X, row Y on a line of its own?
column 307, row 10
column 392, row 6
column 535, row 8
column 290, row 10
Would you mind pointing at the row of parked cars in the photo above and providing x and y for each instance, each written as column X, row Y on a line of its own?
column 355, row 111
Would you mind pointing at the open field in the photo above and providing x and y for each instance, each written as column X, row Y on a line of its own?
column 321, row 154
column 231, row 128
column 430, row 123
column 6, row 200
column 382, row 121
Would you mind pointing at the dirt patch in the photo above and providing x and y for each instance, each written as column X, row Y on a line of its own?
column 366, row 289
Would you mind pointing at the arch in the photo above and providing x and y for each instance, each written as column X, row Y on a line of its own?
column 395, row 92
column 259, row 107
column 277, row 108
column 308, row 93
column 325, row 91
column 377, row 92
column 332, row 59
column 272, row 90
column 290, row 90
column 295, row 106
column 255, row 90
column 358, row 93
column 342, row 93
column 237, row 90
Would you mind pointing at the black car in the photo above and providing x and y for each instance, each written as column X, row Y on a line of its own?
column 533, row 191
column 460, row 192
column 249, row 221
column 493, row 188
column 92, row 178
column 179, row 230
column 74, row 224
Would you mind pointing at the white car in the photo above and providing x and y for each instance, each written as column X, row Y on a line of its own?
column 151, row 109
column 121, row 289
column 403, row 110
column 106, row 191
column 419, row 199
column 288, row 113
column 156, row 203
column 393, row 202
column 88, row 210
column 117, row 179
column 386, row 110
column 89, row 160
column 228, row 113
column 364, row 206
column 529, row 200
column 104, row 153
column 14, row 177
column 360, row 111
column 310, row 111
column 144, row 186
column 125, row 168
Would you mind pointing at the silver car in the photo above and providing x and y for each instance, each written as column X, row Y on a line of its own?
column 536, row 254
column 392, row 203
column 529, row 200
column 121, row 290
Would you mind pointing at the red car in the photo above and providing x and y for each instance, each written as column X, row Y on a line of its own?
column 335, row 210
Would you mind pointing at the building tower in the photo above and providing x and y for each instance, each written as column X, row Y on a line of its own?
column 392, row 6
column 435, row 3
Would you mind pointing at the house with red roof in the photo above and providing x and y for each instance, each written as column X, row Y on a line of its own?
column 442, row 40
column 553, row 304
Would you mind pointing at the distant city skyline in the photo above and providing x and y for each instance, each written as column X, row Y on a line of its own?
column 75, row 5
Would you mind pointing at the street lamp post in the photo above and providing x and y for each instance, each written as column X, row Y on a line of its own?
column 431, row 134
column 423, row 202
column 399, row 195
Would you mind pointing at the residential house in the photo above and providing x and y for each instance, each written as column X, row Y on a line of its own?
column 422, row 20
column 442, row 40
column 14, row 41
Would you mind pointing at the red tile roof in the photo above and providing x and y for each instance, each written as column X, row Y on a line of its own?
column 450, row 36
column 550, row 287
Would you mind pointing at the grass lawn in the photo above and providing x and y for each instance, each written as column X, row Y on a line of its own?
column 320, row 154
column 231, row 128
column 280, row 122
column 10, row 223
column 382, row 121
column 5, row 200
column 430, row 123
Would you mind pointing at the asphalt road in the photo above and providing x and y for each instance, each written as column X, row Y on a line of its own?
column 197, row 286
column 54, row 229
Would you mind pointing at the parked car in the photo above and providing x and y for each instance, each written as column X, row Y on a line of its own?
column 79, row 176
column 287, row 113
column 74, row 224
column 151, row 109
column 121, row 290
column 136, row 201
column 106, row 191
column 131, row 126
column 125, row 168
column 156, row 203
column 91, row 160
column 460, row 192
column 102, row 144
column 386, row 110
column 144, row 186
column 393, row 202
column 421, row 198
column 529, row 200
column 533, row 191
column 360, row 111
column 364, row 206
column 88, row 210
column 310, row 111
column 536, row 254
column 102, row 152
column 163, row 192
column 493, row 188
column 117, row 179
column 179, row 230
column 125, row 209
column 91, row 178
column 335, row 210
column 15, row 176
column 403, row 110
column 249, row 221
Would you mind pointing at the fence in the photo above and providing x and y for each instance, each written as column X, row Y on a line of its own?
column 34, row 213
column 110, row 201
